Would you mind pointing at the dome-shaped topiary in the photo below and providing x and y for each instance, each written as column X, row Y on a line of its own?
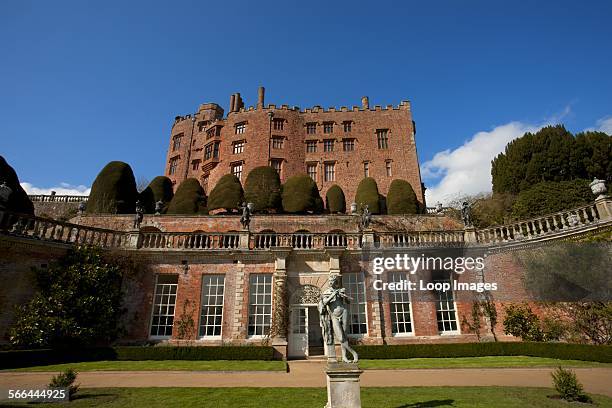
column 188, row 199
column 263, row 188
column 158, row 189
column 113, row 191
column 227, row 194
column 367, row 194
column 18, row 201
column 401, row 198
column 334, row 200
column 300, row 194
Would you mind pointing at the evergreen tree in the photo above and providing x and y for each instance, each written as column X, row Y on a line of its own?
column 300, row 194
column 367, row 194
column 227, row 194
column 113, row 191
column 334, row 200
column 550, row 197
column 263, row 189
column 19, row 201
column 189, row 199
column 160, row 188
column 401, row 198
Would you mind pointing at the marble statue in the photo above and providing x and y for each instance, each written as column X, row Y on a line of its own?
column 159, row 206
column 466, row 214
column 366, row 217
column 247, row 211
column 138, row 217
column 333, row 309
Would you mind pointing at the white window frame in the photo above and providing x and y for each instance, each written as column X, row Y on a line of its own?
column 311, row 143
column 205, row 318
column 257, row 293
column 325, row 172
column 234, row 166
column 388, row 168
column 345, row 284
column 312, row 166
column 240, row 128
column 238, row 147
column 158, row 306
column 392, row 301
column 439, row 302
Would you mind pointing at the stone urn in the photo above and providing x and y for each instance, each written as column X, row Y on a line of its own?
column 353, row 208
column 598, row 187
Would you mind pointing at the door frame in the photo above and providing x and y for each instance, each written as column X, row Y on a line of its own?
column 305, row 306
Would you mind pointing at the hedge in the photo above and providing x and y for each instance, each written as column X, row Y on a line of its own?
column 28, row 358
column 563, row 351
column 300, row 194
column 189, row 199
column 18, row 200
column 334, row 200
column 227, row 194
column 263, row 188
column 113, row 191
column 159, row 189
column 367, row 194
column 401, row 198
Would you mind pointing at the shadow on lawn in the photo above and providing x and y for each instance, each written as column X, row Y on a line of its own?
column 429, row 404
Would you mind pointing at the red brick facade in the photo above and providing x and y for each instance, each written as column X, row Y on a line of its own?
column 341, row 145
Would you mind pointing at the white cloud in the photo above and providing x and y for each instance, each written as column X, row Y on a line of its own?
column 62, row 189
column 467, row 169
column 603, row 125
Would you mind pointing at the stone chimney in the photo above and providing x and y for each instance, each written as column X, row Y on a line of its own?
column 365, row 102
column 232, row 102
column 260, row 97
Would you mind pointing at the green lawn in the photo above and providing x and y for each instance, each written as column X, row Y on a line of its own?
column 165, row 365
column 475, row 362
column 394, row 397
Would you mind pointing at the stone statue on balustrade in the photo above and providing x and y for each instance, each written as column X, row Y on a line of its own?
column 159, row 207
column 466, row 214
column 82, row 207
column 366, row 217
column 138, row 217
column 5, row 194
column 334, row 312
column 247, row 211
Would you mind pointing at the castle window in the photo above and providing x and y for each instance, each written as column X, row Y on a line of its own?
column 328, row 127
column 366, row 169
column 311, row 169
column 400, row 306
column 240, row 128
column 211, row 318
column 278, row 124
column 311, row 146
column 311, row 128
column 330, row 171
column 237, row 170
column 260, row 304
column 328, row 145
column 210, row 133
column 173, row 165
column 238, row 147
column 216, row 150
column 277, row 142
column 203, row 124
column 176, row 142
column 382, row 136
column 347, row 125
column 355, row 288
column 348, row 145
column 162, row 318
column 388, row 166
column 277, row 165
column 195, row 164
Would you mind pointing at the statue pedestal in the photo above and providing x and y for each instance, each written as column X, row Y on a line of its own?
column 343, row 385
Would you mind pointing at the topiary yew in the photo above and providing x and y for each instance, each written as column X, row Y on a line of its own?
column 263, row 188
column 189, row 199
column 401, row 198
column 159, row 189
column 367, row 194
column 300, row 194
column 334, row 200
column 227, row 194
column 114, row 190
column 18, row 200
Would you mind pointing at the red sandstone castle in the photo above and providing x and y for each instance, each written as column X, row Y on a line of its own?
column 333, row 146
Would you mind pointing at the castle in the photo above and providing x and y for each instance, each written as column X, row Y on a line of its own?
column 332, row 146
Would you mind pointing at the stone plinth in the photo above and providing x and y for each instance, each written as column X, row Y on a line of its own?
column 343, row 385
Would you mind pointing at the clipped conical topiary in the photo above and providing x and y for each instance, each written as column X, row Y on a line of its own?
column 367, row 194
column 300, row 194
column 334, row 200
column 263, row 188
column 158, row 189
column 18, row 201
column 401, row 198
column 189, row 199
column 113, row 191
column 227, row 194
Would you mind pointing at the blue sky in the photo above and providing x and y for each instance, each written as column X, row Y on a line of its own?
column 84, row 83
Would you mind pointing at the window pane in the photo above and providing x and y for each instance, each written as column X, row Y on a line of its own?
column 163, row 305
column 212, row 305
column 260, row 304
